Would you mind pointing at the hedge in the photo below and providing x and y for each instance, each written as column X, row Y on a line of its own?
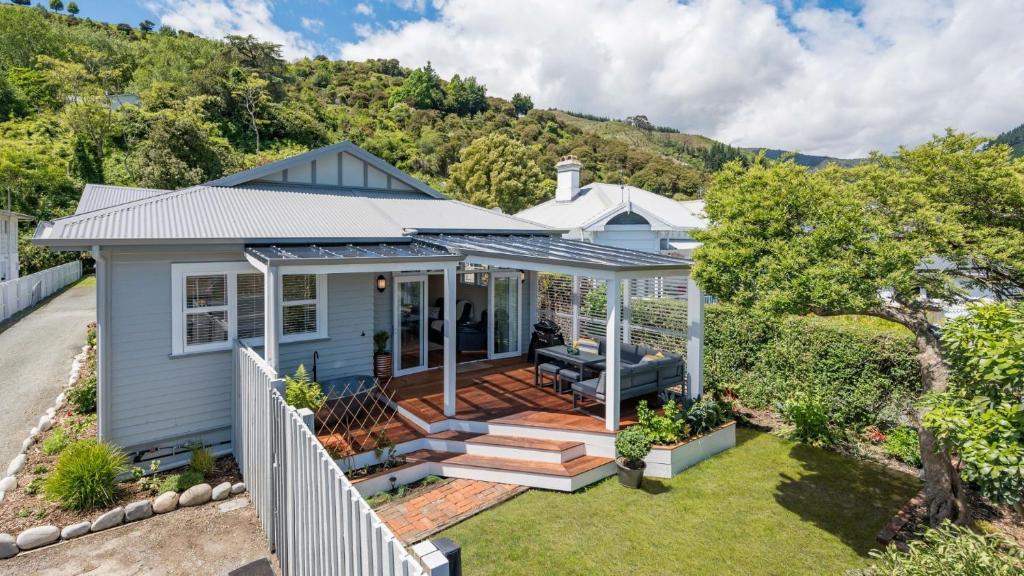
column 864, row 371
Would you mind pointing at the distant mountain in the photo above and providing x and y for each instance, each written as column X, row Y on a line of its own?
column 805, row 159
column 1014, row 139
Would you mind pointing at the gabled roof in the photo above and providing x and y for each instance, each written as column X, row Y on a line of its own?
column 269, row 212
column 99, row 196
column 597, row 203
column 258, row 172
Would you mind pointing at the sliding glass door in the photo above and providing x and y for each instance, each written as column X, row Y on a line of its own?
column 504, row 315
column 410, row 307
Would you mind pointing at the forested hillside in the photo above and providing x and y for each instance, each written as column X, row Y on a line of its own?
column 1014, row 139
column 206, row 108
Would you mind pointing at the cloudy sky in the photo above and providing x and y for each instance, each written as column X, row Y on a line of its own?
column 837, row 77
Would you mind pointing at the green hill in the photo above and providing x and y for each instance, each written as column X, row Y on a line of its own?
column 1014, row 139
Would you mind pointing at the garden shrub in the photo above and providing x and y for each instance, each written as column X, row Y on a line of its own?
column 301, row 392
column 704, row 415
column 85, row 475
column 861, row 371
column 202, row 460
column 633, row 445
column 181, row 482
column 809, row 417
column 950, row 549
column 902, row 444
column 56, row 441
column 667, row 428
column 82, row 396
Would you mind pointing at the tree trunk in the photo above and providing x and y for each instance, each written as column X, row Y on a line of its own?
column 942, row 486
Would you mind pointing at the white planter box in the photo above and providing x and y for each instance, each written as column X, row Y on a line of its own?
column 667, row 461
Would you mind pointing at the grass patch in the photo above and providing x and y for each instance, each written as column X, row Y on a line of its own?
column 769, row 506
column 86, row 281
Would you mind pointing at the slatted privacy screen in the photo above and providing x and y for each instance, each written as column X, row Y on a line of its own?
column 21, row 293
column 314, row 519
column 656, row 314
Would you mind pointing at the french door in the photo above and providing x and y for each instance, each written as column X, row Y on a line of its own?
column 504, row 315
column 410, row 347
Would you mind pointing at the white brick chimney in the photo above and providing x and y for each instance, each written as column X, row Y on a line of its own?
column 568, row 179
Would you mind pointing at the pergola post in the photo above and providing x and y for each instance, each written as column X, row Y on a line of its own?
column 449, row 341
column 272, row 317
column 612, row 358
column 695, row 338
column 627, row 311
column 574, row 335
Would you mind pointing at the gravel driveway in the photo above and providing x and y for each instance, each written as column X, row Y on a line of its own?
column 35, row 356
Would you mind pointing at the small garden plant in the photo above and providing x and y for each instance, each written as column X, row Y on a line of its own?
column 85, row 475
column 202, row 460
column 809, row 419
column 380, row 341
column 633, row 445
column 950, row 549
column 301, row 392
column 666, row 428
column 902, row 444
column 705, row 415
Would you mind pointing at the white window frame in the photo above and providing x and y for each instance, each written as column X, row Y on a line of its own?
column 179, row 272
column 321, row 310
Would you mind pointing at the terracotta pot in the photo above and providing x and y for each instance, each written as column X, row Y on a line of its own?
column 630, row 477
column 383, row 366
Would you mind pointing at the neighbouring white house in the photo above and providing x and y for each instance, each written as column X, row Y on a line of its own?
column 305, row 260
column 618, row 215
column 9, row 243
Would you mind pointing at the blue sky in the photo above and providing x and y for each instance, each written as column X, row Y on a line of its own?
column 836, row 77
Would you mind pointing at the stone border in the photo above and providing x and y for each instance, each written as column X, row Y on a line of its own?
column 39, row 536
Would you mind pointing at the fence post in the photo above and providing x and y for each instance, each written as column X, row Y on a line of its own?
column 307, row 418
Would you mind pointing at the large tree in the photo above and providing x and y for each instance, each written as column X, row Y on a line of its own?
column 496, row 171
column 872, row 240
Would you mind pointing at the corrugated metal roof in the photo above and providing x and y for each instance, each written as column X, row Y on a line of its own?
column 523, row 249
column 99, row 196
column 274, row 213
column 599, row 201
column 552, row 250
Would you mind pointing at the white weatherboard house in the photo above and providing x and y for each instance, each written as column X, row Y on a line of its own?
column 9, row 244
column 302, row 261
column 618, row 215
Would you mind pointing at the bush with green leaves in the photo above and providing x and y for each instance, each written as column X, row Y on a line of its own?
column 181, row 481
column 704, row 415
column 979, row 418
column 82, row 396
column 202, row 460
column 301, row 392
column 56, row 441
column 902, row 444
column 85, row 476
column 633, row 445
column 666, row 428
column 862, row 371
column 809, row 417
column 950, row 549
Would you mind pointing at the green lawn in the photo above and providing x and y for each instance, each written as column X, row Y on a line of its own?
column 768, row 506
column 89, row 280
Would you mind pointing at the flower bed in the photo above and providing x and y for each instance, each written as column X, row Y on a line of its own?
column 667, row 461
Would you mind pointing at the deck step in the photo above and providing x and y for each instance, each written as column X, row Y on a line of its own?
column 567, row 476
column 510, row 447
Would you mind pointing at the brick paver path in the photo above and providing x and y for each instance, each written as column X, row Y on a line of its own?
column 443, row 505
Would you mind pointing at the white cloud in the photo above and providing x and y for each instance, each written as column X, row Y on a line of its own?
column 364, row 9
column 830, row 82
column 312, row 24
column 219, row 18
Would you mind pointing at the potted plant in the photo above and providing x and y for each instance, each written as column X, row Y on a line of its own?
column 382, row 360
column 632, row 445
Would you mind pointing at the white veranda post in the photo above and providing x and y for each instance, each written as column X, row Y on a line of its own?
column 271, row 317
column 695, row 339
column 612, row 357
column 449, row 341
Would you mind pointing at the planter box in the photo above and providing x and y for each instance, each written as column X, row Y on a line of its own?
column 379, row 482
column 667, row 461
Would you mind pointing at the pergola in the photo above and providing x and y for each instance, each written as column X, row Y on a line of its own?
column 534, row 253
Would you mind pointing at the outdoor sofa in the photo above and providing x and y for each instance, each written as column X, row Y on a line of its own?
column 638, row 377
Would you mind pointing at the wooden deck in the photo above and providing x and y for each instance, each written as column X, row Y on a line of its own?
column 501, row 391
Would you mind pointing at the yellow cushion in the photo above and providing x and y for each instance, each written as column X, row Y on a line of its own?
column 588, row 345
column 652, row 357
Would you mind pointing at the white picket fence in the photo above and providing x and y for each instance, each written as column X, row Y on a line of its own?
column 313, row 517
column 21, row 293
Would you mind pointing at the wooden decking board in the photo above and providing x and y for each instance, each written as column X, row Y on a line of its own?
column 521, row 442
column 497, row 390
column 571, row 468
